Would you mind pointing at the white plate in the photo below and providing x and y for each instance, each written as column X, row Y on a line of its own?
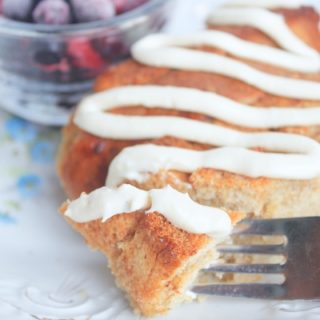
column 46, row 270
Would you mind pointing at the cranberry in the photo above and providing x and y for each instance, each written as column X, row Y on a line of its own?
column 17, row 9
column 126, row 5
column 83, row 55
column 93, row 10
column 111, row 48
column 52, row 12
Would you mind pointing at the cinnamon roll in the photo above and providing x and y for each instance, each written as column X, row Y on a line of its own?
column 229, row 115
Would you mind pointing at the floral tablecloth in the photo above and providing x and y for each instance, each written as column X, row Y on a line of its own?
column 26, row 164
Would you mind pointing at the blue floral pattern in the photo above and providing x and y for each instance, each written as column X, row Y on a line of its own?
column 27, row 164
column 43, row 151
column 28, row 185
column 20, row 130
column 6, row 218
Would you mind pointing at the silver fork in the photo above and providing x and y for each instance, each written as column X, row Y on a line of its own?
column 301, row 269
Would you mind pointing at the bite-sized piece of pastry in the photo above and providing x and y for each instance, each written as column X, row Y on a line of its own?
column 206, row 113
column 156, row 242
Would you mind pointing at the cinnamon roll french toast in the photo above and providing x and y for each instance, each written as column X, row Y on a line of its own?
column 251, row 81
column 229, row 115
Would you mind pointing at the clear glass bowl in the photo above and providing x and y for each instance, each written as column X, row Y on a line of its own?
column 45, row 70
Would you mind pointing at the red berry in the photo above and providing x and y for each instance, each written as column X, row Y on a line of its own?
column 111, row 48
column 82, row 55
column 52, row 12
column 92, row 10
column 126, row 5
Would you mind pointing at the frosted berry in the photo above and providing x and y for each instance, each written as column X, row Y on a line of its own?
column 112, row 49
column 52, row 12
column 83, row 55
column 93, row 10
column 126, row 5
column 17, row 9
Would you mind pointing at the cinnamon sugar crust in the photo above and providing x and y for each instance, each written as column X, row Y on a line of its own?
column 154, row 262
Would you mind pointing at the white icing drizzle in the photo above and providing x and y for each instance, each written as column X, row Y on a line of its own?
column 247, row 49
column 272, row 4
column 291, row 4
column 270, row 23
column 286, row 156
column 160, row 51
column 135, row 163
column 177, row 207
column 302, row 163
column 103, row 203
column 91, row 115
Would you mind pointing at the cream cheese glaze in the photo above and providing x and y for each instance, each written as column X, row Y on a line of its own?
column 285, row 156
column 177, row 207
column 293, row 4
column 235, row 46
column 91, row 114
column 160, row 51
column 270, row 23
column 137, row 162
column 296, row 157
column 170, row 51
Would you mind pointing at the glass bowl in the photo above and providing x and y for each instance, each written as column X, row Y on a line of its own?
column 46, row 70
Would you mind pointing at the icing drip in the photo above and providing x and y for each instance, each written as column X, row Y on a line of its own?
column 301, row 162
column 91, row 115
column 178, row 208
column 246, row 49
column 145, row 159
column 160, row 51
column 293, row 4
column 270, row 23
column 104, row 203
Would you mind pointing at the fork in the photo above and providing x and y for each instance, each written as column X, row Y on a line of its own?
column 301, row 269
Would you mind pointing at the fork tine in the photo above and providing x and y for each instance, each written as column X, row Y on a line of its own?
column 260, row 227
column 253, row 249
column 301, row 270
column 262, row 291
column 246, row 268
